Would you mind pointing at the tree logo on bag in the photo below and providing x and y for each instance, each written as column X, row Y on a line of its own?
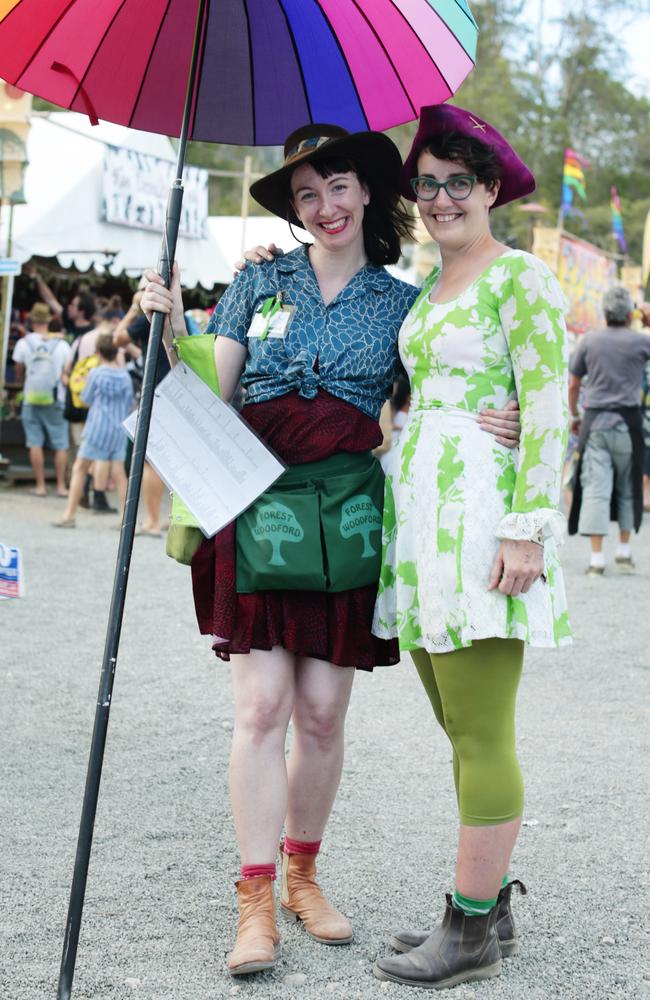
column 276, row 524
column 359, row 516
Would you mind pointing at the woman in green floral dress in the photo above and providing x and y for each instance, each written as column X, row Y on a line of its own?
column 470, row 571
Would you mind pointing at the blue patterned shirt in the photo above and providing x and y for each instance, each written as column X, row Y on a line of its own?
column 348, row 348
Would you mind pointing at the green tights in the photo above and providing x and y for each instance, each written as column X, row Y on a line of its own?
column 473, row 693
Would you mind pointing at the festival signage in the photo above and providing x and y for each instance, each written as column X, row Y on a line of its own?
column 585, row 273
column 12, row 580
column 135, row 189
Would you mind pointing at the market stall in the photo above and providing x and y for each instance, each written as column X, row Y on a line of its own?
column 95, row 199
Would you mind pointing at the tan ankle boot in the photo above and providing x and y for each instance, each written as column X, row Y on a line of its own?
column 258, row 938
column 302, row 899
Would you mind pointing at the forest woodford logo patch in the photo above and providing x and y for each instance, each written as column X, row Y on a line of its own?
column 276, row 524
column 359, row 516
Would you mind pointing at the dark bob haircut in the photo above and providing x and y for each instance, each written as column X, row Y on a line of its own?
column 385, row 221
column 477, row 156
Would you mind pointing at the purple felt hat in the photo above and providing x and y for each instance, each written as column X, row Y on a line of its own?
column 516, row 179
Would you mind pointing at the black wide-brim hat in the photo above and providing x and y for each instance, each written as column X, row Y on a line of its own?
column 376, row 156
column 517, row 179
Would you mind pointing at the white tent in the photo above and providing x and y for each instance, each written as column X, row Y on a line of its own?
column 234, row 234
column 63, row 188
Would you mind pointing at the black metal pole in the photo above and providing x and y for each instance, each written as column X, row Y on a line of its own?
column 114, row 628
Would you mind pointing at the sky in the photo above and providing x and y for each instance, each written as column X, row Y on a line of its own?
column 635, row 38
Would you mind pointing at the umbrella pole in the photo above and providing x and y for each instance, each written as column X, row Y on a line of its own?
column 127, row 532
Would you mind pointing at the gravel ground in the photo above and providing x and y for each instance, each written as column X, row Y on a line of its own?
column 160, row 906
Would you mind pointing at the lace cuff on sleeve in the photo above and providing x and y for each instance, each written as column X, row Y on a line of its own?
column 534, row 526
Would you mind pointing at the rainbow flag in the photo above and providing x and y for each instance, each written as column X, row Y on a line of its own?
column 617, row 220
column 574, row 180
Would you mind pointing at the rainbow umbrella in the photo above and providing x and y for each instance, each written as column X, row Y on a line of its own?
column 265, row 66
column 232, row 71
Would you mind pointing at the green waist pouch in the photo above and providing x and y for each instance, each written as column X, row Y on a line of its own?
column 317, row 528
column 184, row 535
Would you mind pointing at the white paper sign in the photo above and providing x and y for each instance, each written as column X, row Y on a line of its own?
column 204, row 451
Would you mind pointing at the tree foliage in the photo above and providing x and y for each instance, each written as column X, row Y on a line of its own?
column 573, row 92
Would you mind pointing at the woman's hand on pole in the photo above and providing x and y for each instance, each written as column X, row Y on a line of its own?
column 517, row 566
column 258, row 255
column 504, row 424
column 157, row 298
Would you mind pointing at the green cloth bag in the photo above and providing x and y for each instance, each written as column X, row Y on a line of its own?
column 184, row 535
column 278, row 543
column 351, row 520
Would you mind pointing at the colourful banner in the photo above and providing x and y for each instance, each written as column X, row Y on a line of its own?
column 574, row 181
column 617, row 220
column 585, row 273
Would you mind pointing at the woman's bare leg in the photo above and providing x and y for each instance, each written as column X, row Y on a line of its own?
column 316, row 758
column 118, row 473
column 484, row 858
column 263, row 687
column 152, row 494
column 79, row 470
column 100, row 475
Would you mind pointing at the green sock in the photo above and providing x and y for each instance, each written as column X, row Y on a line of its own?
column 472, row 907
column 506, row 879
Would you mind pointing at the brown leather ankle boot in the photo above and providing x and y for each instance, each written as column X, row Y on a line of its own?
column 258, row 939
column 302, row 899
column 404, row 940
column 460, row 949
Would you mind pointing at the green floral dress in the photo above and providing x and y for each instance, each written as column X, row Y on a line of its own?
column 454, row 490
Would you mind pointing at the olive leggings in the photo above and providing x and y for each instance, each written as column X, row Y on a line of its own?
column 473, row 693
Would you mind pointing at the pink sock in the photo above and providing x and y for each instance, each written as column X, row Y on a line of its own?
column 301, row 846
column 256, row 871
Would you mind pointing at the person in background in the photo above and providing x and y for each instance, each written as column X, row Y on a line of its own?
column 644, row 310
column 133, row 329
column 39, row 359
column 608, row 482
column 82, row 358
column 109, row 396
column 78, row 316
column 645, row 404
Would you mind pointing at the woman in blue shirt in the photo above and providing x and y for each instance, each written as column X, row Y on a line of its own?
column 288, row 594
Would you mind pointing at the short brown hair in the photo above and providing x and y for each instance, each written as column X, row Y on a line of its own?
column 479, row 157
column 106, row 347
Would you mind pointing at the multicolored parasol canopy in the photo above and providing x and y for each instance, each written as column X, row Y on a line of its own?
column 266, row 66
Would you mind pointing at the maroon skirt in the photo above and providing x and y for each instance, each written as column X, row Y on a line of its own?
column 331, row 627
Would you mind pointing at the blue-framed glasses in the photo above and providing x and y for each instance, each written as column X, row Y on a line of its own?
column 458, row 187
